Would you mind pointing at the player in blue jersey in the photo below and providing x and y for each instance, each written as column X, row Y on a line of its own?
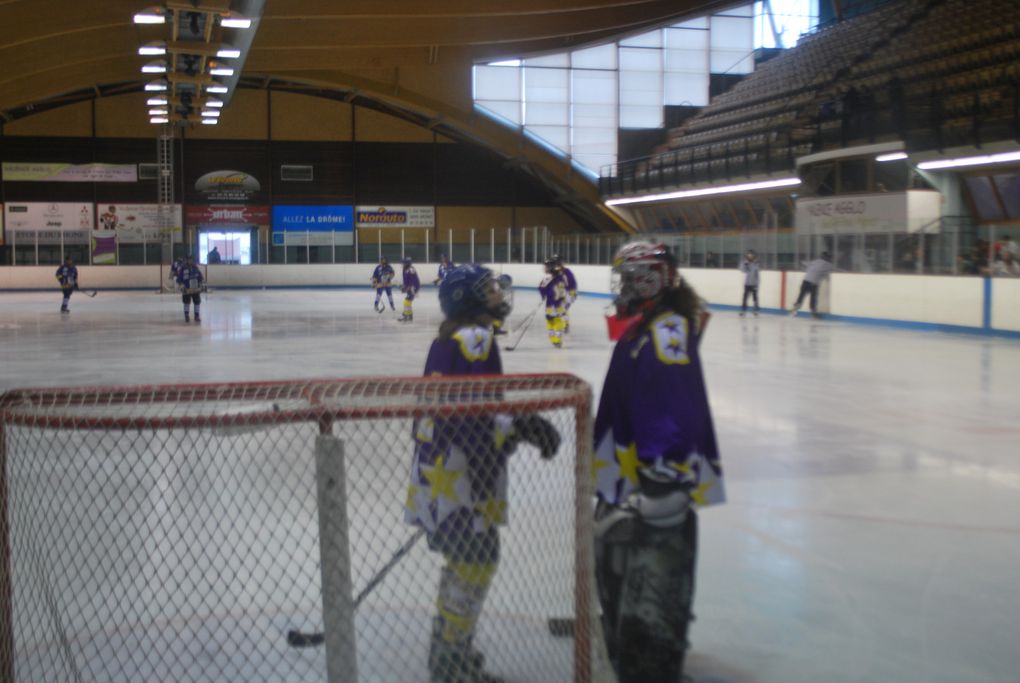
column 67, row 276
column 445, row 266
column 553, row 289
column 656, row 459
column 382, row 280
column 458, row 490
column 190, row 280
column 571, row 291
column 410, row 286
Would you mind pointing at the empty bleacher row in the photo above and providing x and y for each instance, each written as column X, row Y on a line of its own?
column 933, row 73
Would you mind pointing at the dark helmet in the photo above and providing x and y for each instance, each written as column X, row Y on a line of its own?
column 553, row 266
column 642, row 272
column 383, row 259
column 556, row 258
column 466, row 293
column 407, row 261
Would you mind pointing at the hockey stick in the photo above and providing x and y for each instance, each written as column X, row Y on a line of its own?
column 91, row 293
column 524, row 328
column 298, row 639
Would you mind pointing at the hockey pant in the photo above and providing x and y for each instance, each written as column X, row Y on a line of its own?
column 645, row 579
column 408, row 305
column 555, row 323
column 67, row 298
column 378, row 296
column 471, row 561
column 187, row 298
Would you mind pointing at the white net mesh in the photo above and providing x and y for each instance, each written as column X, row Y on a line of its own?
column 173, row 533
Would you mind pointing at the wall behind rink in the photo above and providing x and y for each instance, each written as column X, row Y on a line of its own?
column 964, row 304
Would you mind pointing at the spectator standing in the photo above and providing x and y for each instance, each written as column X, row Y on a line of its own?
column 750, row 267
column 814, row 274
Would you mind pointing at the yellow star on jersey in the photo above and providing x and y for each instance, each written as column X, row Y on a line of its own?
column 684, row 469
column 698, row 494
column 596, row 467
column 412, row 494
column 627, row 457
column 493, row 511
column 441, row 480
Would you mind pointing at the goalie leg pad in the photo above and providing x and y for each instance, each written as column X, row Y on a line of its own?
column 645, row 578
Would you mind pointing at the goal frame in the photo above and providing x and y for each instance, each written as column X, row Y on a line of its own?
column 573, row 394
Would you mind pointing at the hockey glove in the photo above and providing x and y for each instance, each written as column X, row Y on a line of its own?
column 539, row 432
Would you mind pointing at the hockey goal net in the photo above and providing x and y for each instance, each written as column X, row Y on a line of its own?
column 181, row 532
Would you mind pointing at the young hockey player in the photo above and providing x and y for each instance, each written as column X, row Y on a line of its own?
column 507, row 283
column 571, row 291
column 656, row 457
column 750, row 267
column 445, row 266
column 458, row 489
column 190, row 279
column 553, row 289
column 410, row 286
column 67, row 276
column 382, row 280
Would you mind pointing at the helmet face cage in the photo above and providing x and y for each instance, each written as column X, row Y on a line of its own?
column 472, row 290
column 642, row 271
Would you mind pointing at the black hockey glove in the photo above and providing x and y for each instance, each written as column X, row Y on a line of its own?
column 539, row 432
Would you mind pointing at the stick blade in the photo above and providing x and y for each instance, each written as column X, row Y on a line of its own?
column 561, row 627
column 298, row 639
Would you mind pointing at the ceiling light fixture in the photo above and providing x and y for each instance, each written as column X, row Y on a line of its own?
column 892, row 156
column 725, row 189
column 218, row 89
column 159, row 119
column 156, row 67
column 158, row 112
column 211, row 113
column 228, row 53
column 221, row 71
column 210, row 122
column 214, row 103
column 152, row 15
column 1003, row 158
column 157, row 102
column 155, row 86
column 234, row 21
column 154, row 49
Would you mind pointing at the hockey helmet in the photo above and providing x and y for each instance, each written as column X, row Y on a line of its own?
column 407, row 261
column 470, row 289
column 642, row 272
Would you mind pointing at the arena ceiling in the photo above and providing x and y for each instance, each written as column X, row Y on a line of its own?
column 411, row 58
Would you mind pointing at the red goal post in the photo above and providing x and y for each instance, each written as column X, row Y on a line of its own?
column 180, row 531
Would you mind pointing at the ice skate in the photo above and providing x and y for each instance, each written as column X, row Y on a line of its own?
column 187, row 317
column 197, row 319
column 379, row 307
column 743, row 313
column 451, row 663
column 65, row 309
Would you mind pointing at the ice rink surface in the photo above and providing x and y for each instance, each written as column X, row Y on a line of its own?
column 872, row 532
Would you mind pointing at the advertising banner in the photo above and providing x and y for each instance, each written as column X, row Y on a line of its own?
column 226, row 214
column 1, row 224
column 395, row 216
column 869, row 213
column 135, row 223
column 297, row 225
column 228, row 186
column 69, row 173
column 48, row 223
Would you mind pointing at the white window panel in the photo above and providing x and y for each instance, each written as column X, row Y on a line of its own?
column 595, row 140
column 732, row 33
column 511, row 111
column 497, row 83
column 546, row 114
column 601, row 57
column 732, row 62
column 594, row 116
column 595, row 162
column 640, row 59
column 700, row 22
column 546, row 85
column 689, row 89
column 650, row 39
column 557, row 136
column 645, row 85
column 594, row 87
column 686, row 50
column 560, row 60
column 641, row 115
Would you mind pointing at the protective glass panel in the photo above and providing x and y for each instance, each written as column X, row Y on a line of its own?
column 594, row 87
column 538, row 113
column 546, row 85
column 497, row 83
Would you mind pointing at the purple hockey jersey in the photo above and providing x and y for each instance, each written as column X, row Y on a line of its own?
column 654, row 413
column 459, row 473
